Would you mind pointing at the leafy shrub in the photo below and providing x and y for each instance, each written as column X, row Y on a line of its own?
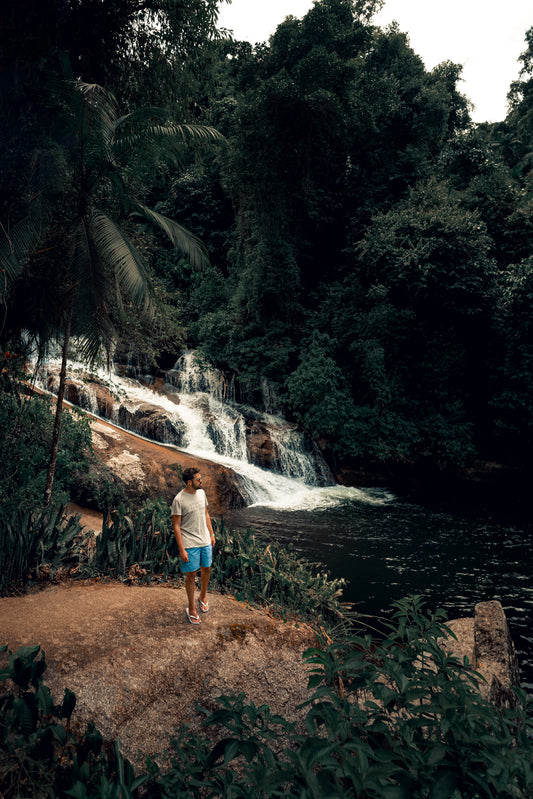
column 29, row 541
column 263, row 571
column 39, row 755
column 24, row 451
column 399, row 719
column 98, row 488
column 142, row 537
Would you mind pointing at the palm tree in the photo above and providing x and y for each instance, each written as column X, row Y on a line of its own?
column 89, row 174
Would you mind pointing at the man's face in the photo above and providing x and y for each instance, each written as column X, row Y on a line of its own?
column 196, row 481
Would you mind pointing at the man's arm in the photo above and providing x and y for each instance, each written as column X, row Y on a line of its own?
column 209, row 526
column 176, row 525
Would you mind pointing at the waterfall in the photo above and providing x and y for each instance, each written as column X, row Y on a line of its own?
column 231, row 426
column 297, row 456
column 189, row 377
column 204, row 422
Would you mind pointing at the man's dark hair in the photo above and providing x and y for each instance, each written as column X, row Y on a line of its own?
column 188, row 474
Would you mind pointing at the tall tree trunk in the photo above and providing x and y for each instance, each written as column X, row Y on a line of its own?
column 59, row 410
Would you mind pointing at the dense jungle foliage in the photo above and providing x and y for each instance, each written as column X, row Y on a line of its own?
column 369, row 247
column 317, row 215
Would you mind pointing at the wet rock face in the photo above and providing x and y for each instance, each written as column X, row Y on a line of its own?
column 146, row 419
column 147, row 470
column 261, row 449
column 104, row 401
column 152, row 422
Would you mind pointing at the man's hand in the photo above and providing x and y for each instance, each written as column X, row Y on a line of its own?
column 184, row 556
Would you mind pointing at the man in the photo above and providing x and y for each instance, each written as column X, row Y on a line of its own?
column 195, row 539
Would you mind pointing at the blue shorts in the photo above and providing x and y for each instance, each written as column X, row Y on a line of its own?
column 198, row 556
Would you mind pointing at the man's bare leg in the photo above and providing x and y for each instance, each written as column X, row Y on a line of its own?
column 205, row 573
column 190, row 580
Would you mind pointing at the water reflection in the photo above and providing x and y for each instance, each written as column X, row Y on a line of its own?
column 389, row 550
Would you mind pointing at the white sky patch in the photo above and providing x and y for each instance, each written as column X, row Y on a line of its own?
column 485, row 37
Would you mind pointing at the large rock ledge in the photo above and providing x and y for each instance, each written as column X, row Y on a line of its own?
column 138, row 667
column 147, row 470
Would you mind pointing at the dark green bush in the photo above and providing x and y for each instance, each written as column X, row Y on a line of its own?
column 263, row 571
column 143, row 537
column 26, row 424
column 396, row 719
column 39, row 756
column 30, row 541
column 98, row 488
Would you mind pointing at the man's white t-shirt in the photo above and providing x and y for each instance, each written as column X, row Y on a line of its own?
column 191, row 508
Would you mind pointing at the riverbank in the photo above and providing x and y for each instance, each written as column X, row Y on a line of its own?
column 138, row 668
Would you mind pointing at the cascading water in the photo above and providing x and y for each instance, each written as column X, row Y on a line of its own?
column 198, row 401
column 384, row 548
column 292, row 455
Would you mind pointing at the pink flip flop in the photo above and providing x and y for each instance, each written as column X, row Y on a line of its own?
column 192, row 619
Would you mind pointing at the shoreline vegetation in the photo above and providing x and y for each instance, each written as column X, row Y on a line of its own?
column 391, row 714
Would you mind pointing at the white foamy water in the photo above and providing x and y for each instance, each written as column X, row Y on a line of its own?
column 215, row 431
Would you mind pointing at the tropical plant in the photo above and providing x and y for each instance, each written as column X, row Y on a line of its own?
column 40, row 756
column 87, row 263
column 37, row 545
column 396, row 718
column 27, row 424
column 392, row 719
column 141, row 538
column 260, row 570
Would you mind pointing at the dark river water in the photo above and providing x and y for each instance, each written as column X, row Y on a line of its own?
column 391, row 549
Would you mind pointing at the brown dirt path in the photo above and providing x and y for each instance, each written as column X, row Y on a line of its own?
column 137, row 666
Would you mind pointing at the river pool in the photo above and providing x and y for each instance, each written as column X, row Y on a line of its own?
column 386, row 549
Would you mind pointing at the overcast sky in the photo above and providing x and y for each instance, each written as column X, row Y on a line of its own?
column 485, row 36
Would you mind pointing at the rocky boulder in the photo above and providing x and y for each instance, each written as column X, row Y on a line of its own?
column 89, row 395
column 495, row 652
column 147, row 470
column 486, row 641
column 152, row 422
column 147, row 419
column 261, row 449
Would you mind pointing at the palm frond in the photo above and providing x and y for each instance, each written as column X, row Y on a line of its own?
column 101, row 112
column 90, row 281
column 126, row 263
column 95, row 289
column 9, row 261
column 100, row 99
column 181, row 238
column 16, row 245
column 180, row 133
